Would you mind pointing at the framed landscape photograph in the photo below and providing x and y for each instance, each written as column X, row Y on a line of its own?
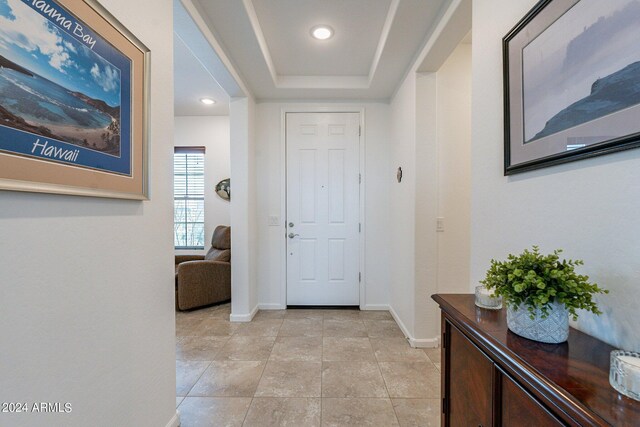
column 73, row 101
column 571, row 82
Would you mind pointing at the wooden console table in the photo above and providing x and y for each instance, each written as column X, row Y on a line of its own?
column 493, row 377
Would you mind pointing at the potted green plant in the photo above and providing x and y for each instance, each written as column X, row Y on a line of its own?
column 540, row 292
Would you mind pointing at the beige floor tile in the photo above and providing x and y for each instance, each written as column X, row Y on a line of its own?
column 288, row 386
column 187, row 373
column 285, row 412
column 375, row 315
column 301, row 313
column 438, row 366
column 260, row 328
column 215, row 327
column 193, row 314
column 352, row 379
column 180, row 314
column 301, row 349
column 213, row 411
column 358, row 412
column 347, row 349
column 220, row 312
column 301, row 327
column 229, row 379
column 210, row 310
column 270, row 314
column 434, row 354
column 411, row 379
column 199, row 348
column 396, row 350
column 417, row 412
column 246, row 348
column 290, row 379
column 187, row 325
column 346, row 314
column 383, row 329
column 344, row 328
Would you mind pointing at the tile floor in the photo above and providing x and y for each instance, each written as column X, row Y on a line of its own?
column 302, row 368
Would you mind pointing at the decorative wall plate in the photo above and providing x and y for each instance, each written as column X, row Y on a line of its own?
column 223, row 189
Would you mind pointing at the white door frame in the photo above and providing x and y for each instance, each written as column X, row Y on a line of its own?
column 283, row 189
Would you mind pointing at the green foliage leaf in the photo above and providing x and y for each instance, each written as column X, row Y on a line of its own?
column 538, row 280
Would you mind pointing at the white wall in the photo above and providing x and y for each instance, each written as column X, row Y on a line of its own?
column 589, row 208
column 402, row 215
column 426, row 319
column 244, row 288
column 431, row 141
column 270, row 169
column 454, row 169
column 86, row 284
column 254, row 189
column 211, row 132
column 431, row 136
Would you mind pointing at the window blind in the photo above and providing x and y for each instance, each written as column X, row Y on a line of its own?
column 188, row 195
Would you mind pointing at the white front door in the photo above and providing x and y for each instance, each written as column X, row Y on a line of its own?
column 323, row 201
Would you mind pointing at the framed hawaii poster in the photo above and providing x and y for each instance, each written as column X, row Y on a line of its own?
column 73, row 101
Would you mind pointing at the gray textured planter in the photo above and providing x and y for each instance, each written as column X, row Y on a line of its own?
column 554, row 329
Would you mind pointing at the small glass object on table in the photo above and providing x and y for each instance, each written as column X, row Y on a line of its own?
column 624, row 373
column 484, row 299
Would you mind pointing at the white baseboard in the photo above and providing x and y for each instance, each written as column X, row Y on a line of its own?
column 384, row 307
column 403, row 328
column 175, row 420
column 243, row 317
column 272, row 307
column 414, row 342
column 424, row 343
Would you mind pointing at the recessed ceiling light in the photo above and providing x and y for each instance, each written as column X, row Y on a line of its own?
column 207, row 101
column 322, row 32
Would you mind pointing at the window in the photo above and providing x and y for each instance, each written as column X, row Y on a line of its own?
column 188, row 196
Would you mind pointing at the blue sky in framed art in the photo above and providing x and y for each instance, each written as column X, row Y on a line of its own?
column 64, row 90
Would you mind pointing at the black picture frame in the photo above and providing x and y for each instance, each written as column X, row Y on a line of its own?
column 573, row 139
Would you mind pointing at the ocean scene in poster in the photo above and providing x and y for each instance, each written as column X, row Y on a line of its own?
column 64, row 91
column 584, row 67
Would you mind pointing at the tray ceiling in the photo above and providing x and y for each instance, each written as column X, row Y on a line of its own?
column 268, row 41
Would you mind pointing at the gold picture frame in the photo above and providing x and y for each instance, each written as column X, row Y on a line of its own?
column 74, row 114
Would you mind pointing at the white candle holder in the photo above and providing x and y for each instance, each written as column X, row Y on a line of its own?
column 624, row 373
column 484, row 299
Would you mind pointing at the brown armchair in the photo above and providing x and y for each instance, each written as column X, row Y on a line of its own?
column 203, row 280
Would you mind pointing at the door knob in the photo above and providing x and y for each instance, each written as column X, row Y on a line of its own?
column 291, row 224
column 291, row 235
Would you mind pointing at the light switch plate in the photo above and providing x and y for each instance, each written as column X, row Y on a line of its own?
column 274, row 220
column 440, row 224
